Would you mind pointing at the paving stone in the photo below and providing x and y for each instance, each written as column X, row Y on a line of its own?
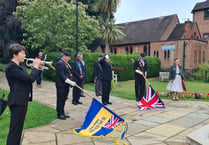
column 199, row 115
column 176, row 139
column 38, row 137
column 145, row 139
column 43, row 129
column 147, row 123
column 166, row 115
column 157, row 119
column 166, row 130
column 187, row 121
column 134, row 128
column 70, row 139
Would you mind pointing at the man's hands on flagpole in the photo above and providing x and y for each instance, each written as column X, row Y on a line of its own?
column 72, row 83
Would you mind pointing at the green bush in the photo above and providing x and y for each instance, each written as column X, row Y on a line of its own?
column 202, row 72
column 121, row 63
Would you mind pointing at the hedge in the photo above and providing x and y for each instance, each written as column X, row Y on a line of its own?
column 121, row 63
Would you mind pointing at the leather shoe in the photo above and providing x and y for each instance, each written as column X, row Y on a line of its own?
column 67, row 116
column 62, row 117
column 104, row 103
column 109, row 103
column 79, row 102
column 74, row 103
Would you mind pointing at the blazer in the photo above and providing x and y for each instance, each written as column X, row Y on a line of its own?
column 98, row 70
column 20, row 84
column 107, row 70
column 63, row 71
column 172, row 73
column 138, row 64
column 77, row 72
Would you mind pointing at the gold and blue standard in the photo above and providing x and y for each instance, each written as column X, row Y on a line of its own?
column 100, row 122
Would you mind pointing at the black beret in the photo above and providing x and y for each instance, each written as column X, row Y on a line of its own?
column 66, row 53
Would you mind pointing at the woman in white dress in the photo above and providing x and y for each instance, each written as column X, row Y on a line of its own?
column 176, row 76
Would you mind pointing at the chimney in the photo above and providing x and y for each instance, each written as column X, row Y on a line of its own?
column 187, row 29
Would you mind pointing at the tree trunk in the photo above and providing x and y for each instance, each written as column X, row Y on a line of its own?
column 106, row 47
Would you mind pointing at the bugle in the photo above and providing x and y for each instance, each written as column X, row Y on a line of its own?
column 29, row 63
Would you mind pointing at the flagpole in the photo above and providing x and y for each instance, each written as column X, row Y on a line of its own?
column 84, row 91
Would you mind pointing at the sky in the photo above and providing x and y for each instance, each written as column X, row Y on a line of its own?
column 134, row 10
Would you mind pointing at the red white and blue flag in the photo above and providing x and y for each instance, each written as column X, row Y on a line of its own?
column 150, row 100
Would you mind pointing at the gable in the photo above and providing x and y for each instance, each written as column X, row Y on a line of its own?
column 145, row 30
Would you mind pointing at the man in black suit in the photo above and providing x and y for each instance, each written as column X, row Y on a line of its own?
column 83, row 63
column 78, row 77
column 98, row 77
column 63, row 82
column 106, row 79
column 140, row 64
column 20, row 84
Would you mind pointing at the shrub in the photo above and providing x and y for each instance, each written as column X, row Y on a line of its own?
column 121, row 63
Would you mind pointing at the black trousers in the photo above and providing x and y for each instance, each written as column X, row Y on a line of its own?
column 62, row 93
column 76, row 91
column 98, row 87
column 139, row 88
column 17, row 119
column 105, row 91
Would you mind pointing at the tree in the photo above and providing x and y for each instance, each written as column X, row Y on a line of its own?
column 110, row 31
column 50, row 25
column 10, row 27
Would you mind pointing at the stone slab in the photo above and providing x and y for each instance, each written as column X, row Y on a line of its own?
column 166, row 130
column 199, row 137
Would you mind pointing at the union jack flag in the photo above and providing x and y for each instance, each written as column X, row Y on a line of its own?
column 113, row 122
column 150, row 100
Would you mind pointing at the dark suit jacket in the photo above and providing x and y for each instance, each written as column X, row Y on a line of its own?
column 77, row 72
column 20, row 84
column 98, row 70
column 107, row 70
column 63, row 71
column 172, row 73
column 138, row 64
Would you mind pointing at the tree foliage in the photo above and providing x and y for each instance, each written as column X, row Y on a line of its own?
column 51, row 25
column 10, row 27
column 109, row 31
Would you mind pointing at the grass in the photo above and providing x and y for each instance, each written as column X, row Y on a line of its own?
column 126, row 89
column 37, row 115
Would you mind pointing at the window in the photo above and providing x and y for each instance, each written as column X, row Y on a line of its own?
column 157, row 53
column 126, row 50
column 206, row 16
column 165, row 54
column 131, row 50
column 154, row 54
column 195, row 56
column 145, row 49
column 115, row 50
column 149, row 51
column 168, row 53
column 206, row 36
column 111, row 50
column 199, row 61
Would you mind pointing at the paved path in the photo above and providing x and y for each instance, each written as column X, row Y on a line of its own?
column 168, row 126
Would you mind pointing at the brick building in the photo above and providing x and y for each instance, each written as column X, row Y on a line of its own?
column 165, row 38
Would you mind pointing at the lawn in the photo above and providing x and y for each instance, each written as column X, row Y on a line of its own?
column 126, row 89
column 37, row 115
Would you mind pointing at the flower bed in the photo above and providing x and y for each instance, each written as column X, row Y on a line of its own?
column 184, row 95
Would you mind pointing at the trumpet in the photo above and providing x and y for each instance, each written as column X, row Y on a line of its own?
column 29, row 63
